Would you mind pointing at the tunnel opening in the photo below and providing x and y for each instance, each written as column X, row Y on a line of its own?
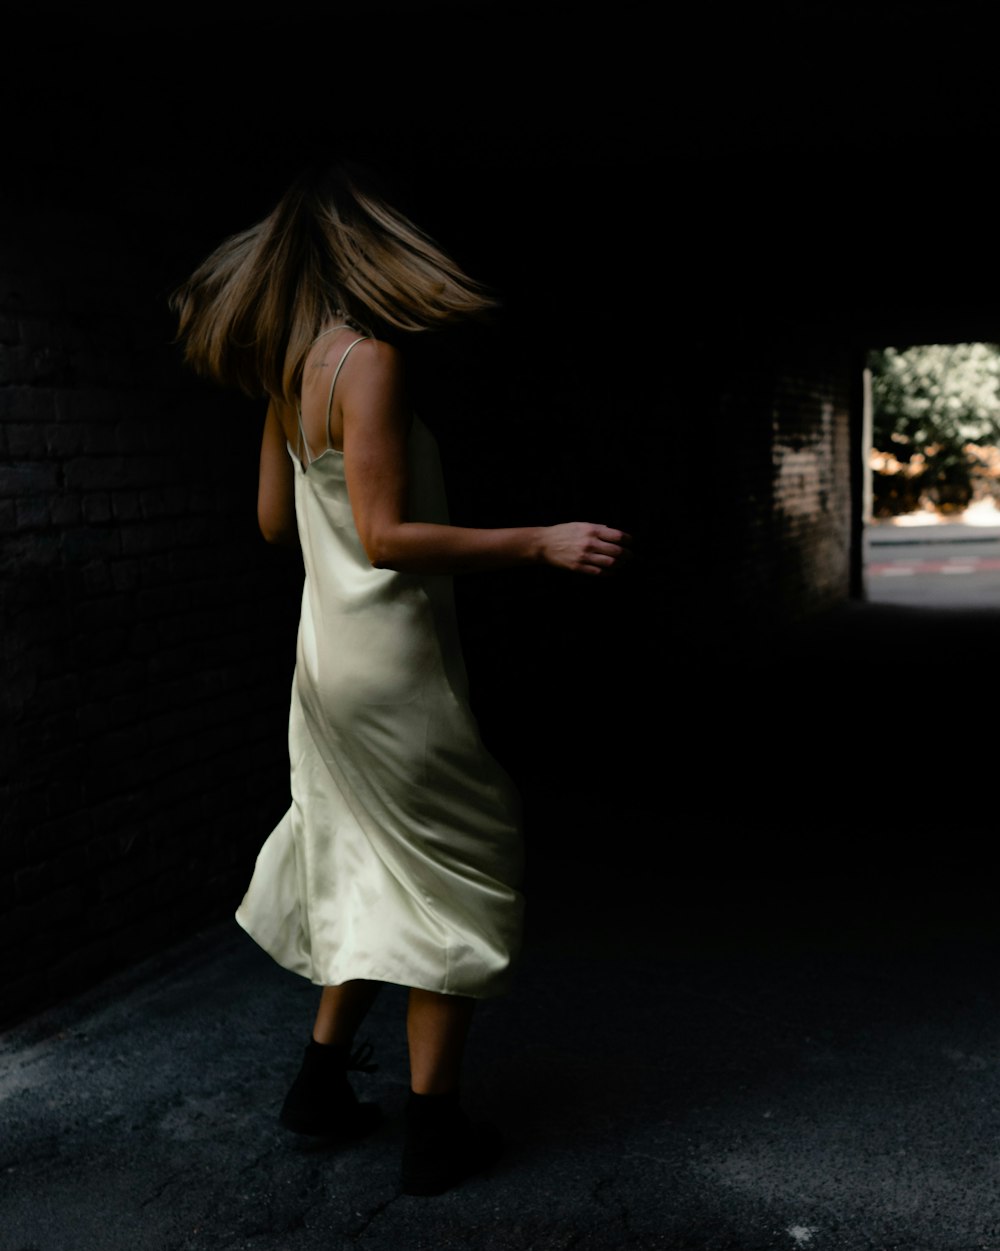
column 931, row 476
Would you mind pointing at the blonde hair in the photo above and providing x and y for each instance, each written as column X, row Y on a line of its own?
column 331, row 249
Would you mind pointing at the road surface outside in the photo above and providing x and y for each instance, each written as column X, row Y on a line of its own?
column 952, row 564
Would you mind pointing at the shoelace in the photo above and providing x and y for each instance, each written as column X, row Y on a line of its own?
column 360, row 1056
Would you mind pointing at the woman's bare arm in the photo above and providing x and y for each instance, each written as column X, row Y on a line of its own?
column 376, row 422
column 276, row 485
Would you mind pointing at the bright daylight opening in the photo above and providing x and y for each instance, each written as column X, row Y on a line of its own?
column 932, row 503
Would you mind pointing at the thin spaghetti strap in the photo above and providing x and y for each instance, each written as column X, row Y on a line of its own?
column 333, row 383
column 303, row 442
column 303, row 450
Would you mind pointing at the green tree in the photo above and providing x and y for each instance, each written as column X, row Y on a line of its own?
column 932, row 401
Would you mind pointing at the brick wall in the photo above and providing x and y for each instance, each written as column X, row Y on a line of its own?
column 141, row 615
column 811, row 481
column 765, row 506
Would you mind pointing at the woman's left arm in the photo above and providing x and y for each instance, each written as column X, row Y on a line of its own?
column 276, row 485
column 376, row 421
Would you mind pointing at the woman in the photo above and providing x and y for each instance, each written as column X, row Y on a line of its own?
column 400, row 857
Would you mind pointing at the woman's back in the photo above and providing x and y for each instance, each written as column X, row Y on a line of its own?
column 319, row 422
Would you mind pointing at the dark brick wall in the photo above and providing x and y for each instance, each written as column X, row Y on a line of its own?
column 764, row 510
column 811, row 481
column 141, row 616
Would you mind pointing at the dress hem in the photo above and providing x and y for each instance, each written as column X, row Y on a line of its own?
column 377, row 977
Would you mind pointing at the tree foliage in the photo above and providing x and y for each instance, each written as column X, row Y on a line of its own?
column 945, row 394
column 934, row 407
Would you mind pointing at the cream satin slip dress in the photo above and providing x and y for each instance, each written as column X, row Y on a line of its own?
column 400, row 857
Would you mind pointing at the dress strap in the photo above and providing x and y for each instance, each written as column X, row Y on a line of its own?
column 303, row 448
column 333, row 383
column 303, row 442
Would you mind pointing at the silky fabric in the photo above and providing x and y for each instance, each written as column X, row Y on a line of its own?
column 400, row 857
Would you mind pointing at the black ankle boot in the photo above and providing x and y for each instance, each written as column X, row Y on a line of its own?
column 442, row 1147
column 321, row 1101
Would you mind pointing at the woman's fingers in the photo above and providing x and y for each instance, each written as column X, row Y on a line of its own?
column 586, row 547
column 607, row 554
column 615, row 536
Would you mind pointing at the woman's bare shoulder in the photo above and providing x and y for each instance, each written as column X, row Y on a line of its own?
column 379, row 356
column 373, row 366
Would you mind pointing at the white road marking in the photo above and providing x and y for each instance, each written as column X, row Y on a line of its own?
column 801, row 1234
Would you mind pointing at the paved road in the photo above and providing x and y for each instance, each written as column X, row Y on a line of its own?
column 759, row 1067
column 933, row 566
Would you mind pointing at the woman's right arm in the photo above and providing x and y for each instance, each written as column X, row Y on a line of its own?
column 376, row 423
column 276, row 485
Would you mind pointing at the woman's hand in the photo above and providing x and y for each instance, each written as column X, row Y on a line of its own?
column 584, row 548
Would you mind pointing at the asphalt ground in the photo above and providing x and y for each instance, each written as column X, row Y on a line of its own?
column 948, row 565
column 743, row 1065
column 764, row 1014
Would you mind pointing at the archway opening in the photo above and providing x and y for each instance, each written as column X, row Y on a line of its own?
column 931, row 504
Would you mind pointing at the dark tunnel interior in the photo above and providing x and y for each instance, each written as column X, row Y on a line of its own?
column 693, row 253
